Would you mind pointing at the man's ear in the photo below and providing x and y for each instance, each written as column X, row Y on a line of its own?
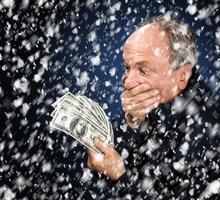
column 184, row 74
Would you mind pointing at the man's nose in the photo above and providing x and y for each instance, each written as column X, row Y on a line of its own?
column 130, row 80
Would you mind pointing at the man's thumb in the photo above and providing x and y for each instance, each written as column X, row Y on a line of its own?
column 100, row 145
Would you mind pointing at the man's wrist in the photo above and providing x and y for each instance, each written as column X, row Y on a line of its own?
column 118, row 172
column 133, row 122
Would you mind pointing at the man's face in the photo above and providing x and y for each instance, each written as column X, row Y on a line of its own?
column 80, row 127
column 146, row 57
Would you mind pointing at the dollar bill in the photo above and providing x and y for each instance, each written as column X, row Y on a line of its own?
column 83, row 119
column 84, row 113
column 77, row 127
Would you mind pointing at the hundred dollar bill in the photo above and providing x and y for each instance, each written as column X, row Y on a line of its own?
column 83, row 119
column 77, row 127
column 81, row 109
column 56, row 103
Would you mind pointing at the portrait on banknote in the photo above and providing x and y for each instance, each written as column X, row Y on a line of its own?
column 78, row 126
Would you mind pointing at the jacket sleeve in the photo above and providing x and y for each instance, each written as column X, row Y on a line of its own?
column 127, row 185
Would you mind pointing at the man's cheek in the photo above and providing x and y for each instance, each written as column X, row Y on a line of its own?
column 144, row 80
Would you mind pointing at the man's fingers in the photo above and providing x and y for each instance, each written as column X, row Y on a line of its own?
column 139, row 89
column 90, row 152
column 93, row 157
column 146, row 95
column 141, row 97
column 147, row 103
column 136, row 90
column 112, row 146
column 94, row 160
column 144, row 104
column 149, row 108
column 141, row 109
column 100, row 145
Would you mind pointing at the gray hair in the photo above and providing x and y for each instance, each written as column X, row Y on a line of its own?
column 182, row 39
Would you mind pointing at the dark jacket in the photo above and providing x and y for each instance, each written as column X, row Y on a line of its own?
column 175, row 154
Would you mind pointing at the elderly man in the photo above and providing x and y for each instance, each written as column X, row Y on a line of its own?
column 167, row 143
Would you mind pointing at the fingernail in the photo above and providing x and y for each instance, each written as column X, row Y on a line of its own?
column 156, row 92
column 96, row 139
column 158, row 97
column 156, row 104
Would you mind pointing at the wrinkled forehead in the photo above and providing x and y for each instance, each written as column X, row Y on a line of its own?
column 150, row 35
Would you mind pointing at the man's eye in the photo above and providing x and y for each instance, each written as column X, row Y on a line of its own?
column 143, row 72
column 126, row 69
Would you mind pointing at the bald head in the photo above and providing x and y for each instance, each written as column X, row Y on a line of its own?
column 149, row 39
column 148, row 35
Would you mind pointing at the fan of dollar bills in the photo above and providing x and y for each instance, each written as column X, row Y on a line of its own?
column 83, row 119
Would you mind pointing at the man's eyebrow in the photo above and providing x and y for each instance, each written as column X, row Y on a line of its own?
column 145, row 63
column 142, row 62
column 138, row 62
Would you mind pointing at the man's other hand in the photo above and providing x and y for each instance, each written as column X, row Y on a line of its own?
column 108, row 162
column 139, row 101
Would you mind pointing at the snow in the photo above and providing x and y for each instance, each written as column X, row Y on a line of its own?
column 157, row 52
column 51, row 47
column 96, row 60
column 214, row 130
column 18, row 102
column 151, row 146
column 179, row 165
column 115, row 7
column 41, row 2
column 184, row 148
column 83, row 79
column 211, row 189
column 46, row 167
column 217, row 35
column 87, row 175
column 44, row 62
column 207, row 11
column 124, row 154
column 21, row 84
column 176, row 46
column 147, row 184
column 25, row 3
column 92, row 36
column 8, row 3
column 112, row 71
column 108, row 83
column 20, row 63
column 8, row 193
column 192, row 9
column 25, row 108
